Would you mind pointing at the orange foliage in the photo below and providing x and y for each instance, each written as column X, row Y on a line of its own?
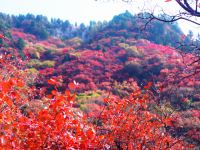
column 121, row 124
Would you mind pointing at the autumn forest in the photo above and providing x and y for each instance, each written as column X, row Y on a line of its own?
column 118, row 84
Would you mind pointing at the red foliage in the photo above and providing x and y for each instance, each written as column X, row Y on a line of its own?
column 55, row 124
column 122, row 124
column 16, row 33
column 89, row 69
column 47, row 71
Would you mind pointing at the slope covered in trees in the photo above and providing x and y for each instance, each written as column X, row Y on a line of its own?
column 113, row 84
column 42, row 28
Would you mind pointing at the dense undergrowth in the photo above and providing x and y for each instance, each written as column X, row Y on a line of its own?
column 115, row 90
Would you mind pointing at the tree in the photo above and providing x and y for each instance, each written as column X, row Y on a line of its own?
column 189, row 10
column 20, row 44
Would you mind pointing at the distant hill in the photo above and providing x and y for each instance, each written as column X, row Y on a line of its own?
column 130, row 26
column 125, row 25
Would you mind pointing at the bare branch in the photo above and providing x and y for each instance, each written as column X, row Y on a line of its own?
column 188, row 8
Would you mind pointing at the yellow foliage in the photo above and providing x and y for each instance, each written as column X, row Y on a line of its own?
column 132, row 51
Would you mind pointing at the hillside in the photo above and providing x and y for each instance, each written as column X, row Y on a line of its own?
column 114, row 58
column 42, row 28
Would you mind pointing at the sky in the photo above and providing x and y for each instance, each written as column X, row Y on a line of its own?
column 83, row 11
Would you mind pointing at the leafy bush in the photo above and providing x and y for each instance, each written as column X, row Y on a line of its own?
column 133, row 68
column 133, row 51
column 125, row 88
column 20, row 44
column 35, row 63
column 47, row 64
column 52, row 122
column 74, row 42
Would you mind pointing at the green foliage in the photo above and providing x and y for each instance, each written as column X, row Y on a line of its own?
column 133, row 68
column 66, row 58
column 156, row 69
column 125, row 25
column 132, row 51
column 124, row 45
column 35, row 63
column 48, row 54
column 120, row 21
column 84, row 99
column 20, row 44
column 98, row 47
column 42, row 33
column 163, row 33
column 32, row 71
column 47, row 64
column 5, row 22
column 1, row 42
column 123, row 89
column 39, row 48
column 36, row 25
column 74, row 42
column 85, row 96
column 83, row 107
column 128, row 25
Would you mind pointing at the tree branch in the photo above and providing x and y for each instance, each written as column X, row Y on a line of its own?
column 187, row 7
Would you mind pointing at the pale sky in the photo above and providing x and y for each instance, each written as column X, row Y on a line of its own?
column 84, row 10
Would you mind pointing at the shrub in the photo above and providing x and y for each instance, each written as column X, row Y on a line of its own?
column 133, row 51
column 124, row 89
column 20, row 44
column 133, row 68
column 35, row 63
column 47, row 64
column 74, row 42
column 54, row 124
